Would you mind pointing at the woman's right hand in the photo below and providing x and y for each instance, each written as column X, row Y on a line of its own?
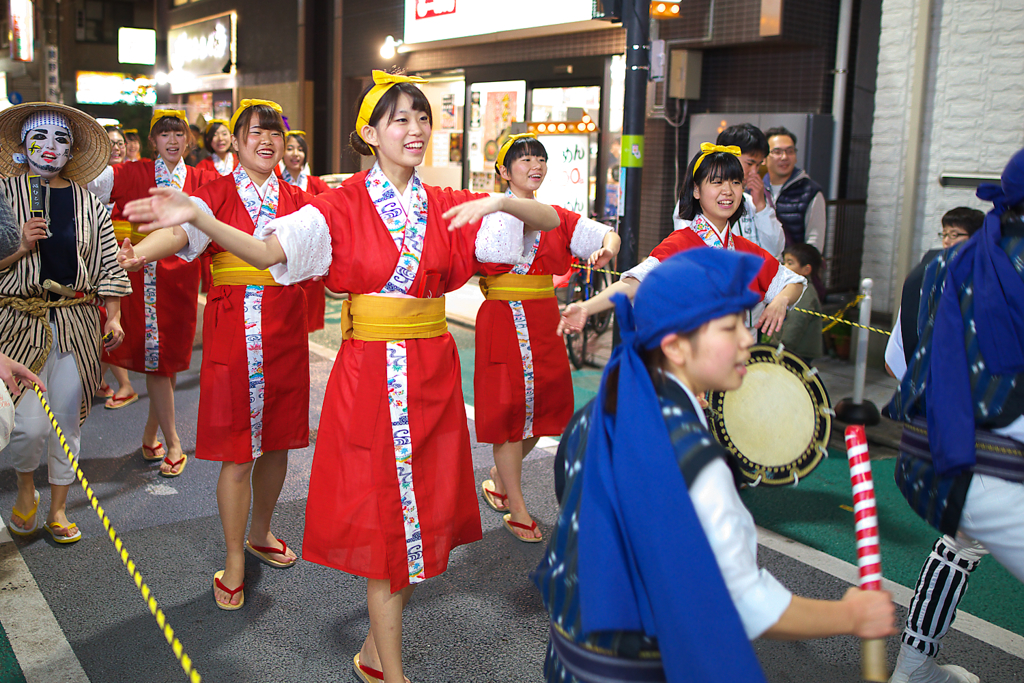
column 165, row 208
column 574, row 317
column 32, row 231
column 126, row 257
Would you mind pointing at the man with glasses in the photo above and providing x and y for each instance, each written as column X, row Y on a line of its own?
column 799, row 201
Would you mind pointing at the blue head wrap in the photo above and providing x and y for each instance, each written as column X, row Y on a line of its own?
column 998, row 299
column 644, row 561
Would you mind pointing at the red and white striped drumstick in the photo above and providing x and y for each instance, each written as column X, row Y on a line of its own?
column 869, row 554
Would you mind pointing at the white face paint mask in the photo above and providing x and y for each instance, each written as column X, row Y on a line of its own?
column 48, row 148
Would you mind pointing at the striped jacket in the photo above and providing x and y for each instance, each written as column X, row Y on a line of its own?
column 23, row 336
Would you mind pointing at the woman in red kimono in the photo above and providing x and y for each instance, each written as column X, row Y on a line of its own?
column 710, row 203
column 522, row 383
column 254, row 384
column 217, row 141
column 391, row 490
column 296, row 172
column 159, row 318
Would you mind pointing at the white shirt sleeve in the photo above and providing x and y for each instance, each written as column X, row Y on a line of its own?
column 782, row 278
column 103, row 184
column 814, row 228
column 501, row 239
column 587, row 237
column 641, row 270
column 759, row 598
column 306, row 241
column 198, row 240
column 770, row 236
column 895, row 358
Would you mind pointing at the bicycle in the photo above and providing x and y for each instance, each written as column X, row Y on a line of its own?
column 585, row 283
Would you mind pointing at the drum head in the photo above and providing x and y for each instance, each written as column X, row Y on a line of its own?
column 778, row 423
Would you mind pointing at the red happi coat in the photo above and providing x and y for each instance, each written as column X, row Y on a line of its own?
column 684, row 239
column 499, row 381
column 177, row 287
column 354, row 515
column 224, row 429
column 207, row 165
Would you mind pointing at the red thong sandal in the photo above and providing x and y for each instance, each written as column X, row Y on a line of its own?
column 217, row 583
column 263, row 553
column 182, row 461
column 490, row 496
column 526, row 527
column 150, row 452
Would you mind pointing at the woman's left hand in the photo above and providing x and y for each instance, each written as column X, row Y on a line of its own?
column 471, row 212
column 113, row 327
column 601, row 258
column 773, row 316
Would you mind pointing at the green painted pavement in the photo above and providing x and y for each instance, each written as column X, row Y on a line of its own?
column 10, row 672
column 811, row 514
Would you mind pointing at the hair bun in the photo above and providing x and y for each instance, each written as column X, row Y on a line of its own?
column 359, row 145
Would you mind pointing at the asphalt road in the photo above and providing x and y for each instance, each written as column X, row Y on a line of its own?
column 481, row 621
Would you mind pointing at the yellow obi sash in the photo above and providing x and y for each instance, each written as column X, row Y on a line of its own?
column 385, row 318
column 124, row 229
column 228, row 269
column 513, row 287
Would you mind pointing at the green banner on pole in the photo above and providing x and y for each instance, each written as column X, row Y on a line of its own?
column 632, row 151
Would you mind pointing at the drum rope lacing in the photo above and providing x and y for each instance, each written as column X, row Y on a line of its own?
column 836, row 319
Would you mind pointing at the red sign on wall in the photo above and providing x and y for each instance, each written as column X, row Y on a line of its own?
column 434, row 8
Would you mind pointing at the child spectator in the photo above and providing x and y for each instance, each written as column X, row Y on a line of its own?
column 801, row 332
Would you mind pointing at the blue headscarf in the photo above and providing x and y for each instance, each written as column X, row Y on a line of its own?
column 998, row 294
column 644, row 561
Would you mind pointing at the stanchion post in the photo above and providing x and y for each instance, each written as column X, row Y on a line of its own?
column 856, row 410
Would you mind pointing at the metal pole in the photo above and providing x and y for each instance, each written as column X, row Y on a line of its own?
column 841, row 72
column 856, row 410
column 636, row 17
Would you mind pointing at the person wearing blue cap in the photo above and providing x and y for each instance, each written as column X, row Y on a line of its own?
column 961, row 462
column 651, row 571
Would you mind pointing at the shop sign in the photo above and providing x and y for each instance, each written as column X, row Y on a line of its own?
column 22, row 24
column 568, row 180
column 136, row 45
column 204, row 47
column 432, row 20
column 101, row 87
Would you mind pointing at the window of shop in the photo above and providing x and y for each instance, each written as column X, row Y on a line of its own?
column 442, row 165
column 97, row 21
column 493, row 108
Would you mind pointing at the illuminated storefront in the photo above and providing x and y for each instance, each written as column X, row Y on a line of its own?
column 201, row 59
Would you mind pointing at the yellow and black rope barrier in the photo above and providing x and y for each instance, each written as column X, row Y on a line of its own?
column 835, row 319
column 154, row 609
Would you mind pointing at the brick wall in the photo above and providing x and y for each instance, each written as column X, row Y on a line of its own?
column 973, row 103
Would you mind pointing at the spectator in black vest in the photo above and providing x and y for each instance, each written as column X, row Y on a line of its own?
column 799, row 201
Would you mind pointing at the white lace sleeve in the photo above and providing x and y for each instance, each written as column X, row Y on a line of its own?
column 306, row 241
column 784, row 277
column 640, row 271
column 501, row 240
column 198, row 240
column 102, row 185
column 587, row 237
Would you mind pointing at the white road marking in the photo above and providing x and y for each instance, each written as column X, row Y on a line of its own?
column 966, row 623
column 43, row 653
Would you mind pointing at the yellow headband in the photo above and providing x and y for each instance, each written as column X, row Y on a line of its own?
column 167, row 114
column 296, row 132
column 133, row 131
column 512, row 139
column 383, row 82
column 214, row 122
column 246, row 104
column 707, row 148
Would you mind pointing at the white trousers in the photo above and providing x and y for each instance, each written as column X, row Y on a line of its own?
column 33, row 435
column 993, row 516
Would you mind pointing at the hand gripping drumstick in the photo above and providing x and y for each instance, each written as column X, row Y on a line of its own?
column 869, row 558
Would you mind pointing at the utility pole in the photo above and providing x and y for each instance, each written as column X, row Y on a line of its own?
column 636, row 18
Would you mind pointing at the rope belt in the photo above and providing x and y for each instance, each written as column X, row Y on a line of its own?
column 384, row 318
column 995, row 455
column 513, row 287
column 228, row 269
column 37, row 308
column 124, row 229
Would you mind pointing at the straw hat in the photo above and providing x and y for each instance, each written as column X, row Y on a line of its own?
column 89, row 153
